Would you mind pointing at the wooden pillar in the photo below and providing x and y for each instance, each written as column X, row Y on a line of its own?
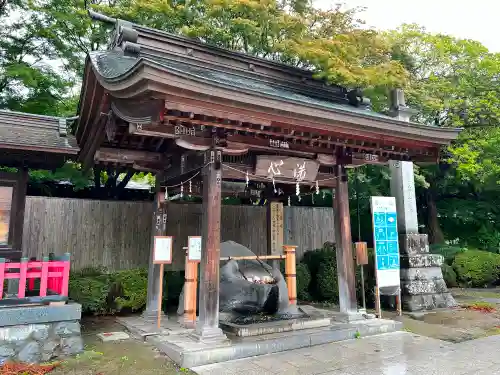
column 291, row 273
column 20, row 204
column 207, row 329
column 158, row 228
column 17, row 222
column 345, row 259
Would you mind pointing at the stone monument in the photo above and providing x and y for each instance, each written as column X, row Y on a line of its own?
column 422, row 283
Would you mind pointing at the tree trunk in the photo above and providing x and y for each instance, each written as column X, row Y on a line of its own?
column 436, row 235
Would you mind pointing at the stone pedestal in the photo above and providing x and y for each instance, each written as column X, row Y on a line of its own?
column 422, row 283
column 35, row 334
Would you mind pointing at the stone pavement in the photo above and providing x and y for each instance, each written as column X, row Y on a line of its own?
column 399, row 353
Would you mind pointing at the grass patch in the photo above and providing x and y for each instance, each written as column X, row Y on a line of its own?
column 127, row 357
column 475, row 293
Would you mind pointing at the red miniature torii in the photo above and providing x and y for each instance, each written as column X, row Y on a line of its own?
column 53, row 275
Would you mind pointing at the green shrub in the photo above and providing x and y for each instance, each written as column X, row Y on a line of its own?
column 327, row 279
column 322, row 265
column 449, row 252
column 313, row 260
column 105, row 293
column 477, row 268
column 449, row 276
column 91, row 292
column 130, row 288
column 303, row 281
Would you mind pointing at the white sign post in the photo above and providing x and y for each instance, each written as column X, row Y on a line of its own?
column 194, row 248
column 386, row 245
column 162, row 254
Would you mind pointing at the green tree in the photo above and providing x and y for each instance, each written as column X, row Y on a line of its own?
column 28, row 82
column 454, row 82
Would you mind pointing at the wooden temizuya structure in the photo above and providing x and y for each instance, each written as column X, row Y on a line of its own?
column 26, row 141
column 176, row 107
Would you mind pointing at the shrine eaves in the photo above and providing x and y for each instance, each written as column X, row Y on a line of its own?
column 153, row 100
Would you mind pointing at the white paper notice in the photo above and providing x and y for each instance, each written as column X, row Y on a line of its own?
column 163, row 250
column 194, row 248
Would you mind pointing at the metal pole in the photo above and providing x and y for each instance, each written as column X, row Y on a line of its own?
column 363, row 287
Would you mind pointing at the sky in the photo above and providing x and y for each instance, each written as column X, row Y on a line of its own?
column 478, row 20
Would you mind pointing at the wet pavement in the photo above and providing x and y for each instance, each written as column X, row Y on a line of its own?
column 396, row 353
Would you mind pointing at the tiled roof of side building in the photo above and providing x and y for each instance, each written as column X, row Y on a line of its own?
column 41, row 133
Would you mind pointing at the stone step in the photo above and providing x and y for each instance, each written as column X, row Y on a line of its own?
column 188, row 353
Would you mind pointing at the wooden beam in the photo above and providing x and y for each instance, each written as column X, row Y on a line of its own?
column 8, row 177
column 128, row 157
column 210, row 112
column 94, row 113
column 86, row 103
column 96, row 134
column 169, row 130
column 292, row 123
column 295, row 140
column 97, row 139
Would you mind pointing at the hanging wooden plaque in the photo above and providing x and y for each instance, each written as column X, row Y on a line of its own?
column 282, row 167
column 361, row 253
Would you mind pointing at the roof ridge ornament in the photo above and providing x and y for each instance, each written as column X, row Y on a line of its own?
column 356, row 99
column 131, row 49
column 123, row 35
column 398, row 108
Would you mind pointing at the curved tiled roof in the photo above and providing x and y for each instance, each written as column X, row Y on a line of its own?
column 112, row 65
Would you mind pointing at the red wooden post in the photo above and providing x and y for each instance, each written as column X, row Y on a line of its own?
column 23, row 270
column 44, row 277
column 31, row 280
column 65, row 276
column 2, row 276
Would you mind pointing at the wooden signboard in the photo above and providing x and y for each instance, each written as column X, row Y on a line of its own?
column 168, row 130
column 276, row 228
column 194, row 248
column 163, row 250
column 282, row 167
column 162, row 254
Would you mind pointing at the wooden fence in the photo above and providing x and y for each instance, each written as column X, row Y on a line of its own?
column 117, row 234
